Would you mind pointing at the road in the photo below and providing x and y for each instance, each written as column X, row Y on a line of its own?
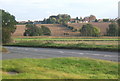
column 28, row 52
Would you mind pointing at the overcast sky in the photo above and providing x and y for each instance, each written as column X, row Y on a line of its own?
column 40, row 9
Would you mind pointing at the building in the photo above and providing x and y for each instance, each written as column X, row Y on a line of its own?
column 90, row 18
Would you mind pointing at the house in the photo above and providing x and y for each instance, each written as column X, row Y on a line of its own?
column 90, row 18
column 38, row 22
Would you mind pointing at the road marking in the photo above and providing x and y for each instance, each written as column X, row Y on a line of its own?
column 96, row 54
column 26, row 49
column 81, row 53
column 110, row 56
column 61, row 51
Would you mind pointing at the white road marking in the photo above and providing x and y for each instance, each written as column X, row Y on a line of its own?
column 81, row 53
column 109, row 56
column 96, row 54
column 26, row 49
column 61, row 51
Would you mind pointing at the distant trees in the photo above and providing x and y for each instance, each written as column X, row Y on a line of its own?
column 59, row 19
column 33, row 30
column 89, row 30
column 105, row 20
column 8, row 26
column 112, row 30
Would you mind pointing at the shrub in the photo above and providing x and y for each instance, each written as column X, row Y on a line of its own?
column 112, row 30
column 89, row 30
column 32, row 30
column 45, row 30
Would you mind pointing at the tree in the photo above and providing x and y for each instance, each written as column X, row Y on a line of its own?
column 77, row 18
column 118, row 21
column 89, row 30
column 45, row 30
column 63, row 18
column 96, row 20
column 112, row 30
column 8, row 26
column 105, row 20
column 53, row 20
column 32, row 30
column 59, row 19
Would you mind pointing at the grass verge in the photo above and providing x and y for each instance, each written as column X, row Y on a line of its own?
column 59, row 68
column 3, row 50
column 49, row 44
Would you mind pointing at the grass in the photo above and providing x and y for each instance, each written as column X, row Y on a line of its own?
column 69, row 39
column 59, row 68
column 2, row 49
column 51, row 44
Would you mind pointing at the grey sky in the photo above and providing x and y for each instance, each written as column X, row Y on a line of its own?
column 40, row 9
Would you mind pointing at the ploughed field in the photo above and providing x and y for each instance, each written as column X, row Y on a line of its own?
column 20, row 29
column 56, row 30
column 60, row 30
column 101, row 26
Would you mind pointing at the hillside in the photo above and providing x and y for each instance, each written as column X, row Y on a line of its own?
column 56, row 30
column 60, row 30
column 102, row 26
column 20, row 29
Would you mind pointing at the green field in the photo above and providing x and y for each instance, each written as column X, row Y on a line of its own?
column 87, row 45
column 59, row 68
column 70, row 39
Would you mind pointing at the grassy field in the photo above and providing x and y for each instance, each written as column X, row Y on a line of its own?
column 70, row 39
column 49, row 44
column 89, row 43
column 59, row 68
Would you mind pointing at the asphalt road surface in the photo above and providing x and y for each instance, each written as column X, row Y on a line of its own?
column 28, row 52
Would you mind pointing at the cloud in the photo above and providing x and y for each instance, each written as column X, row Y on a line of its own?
column 39, row 9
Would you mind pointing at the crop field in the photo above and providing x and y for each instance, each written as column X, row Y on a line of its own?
column 20, row 29
column 60, row 30
column 70, row 40
column 87, row 43
column 101, row 26
column 56, row 30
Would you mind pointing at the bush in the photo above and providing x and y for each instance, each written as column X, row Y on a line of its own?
column 45, row 30
column 112, row 30
column 33, row 30
column 89, row 30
